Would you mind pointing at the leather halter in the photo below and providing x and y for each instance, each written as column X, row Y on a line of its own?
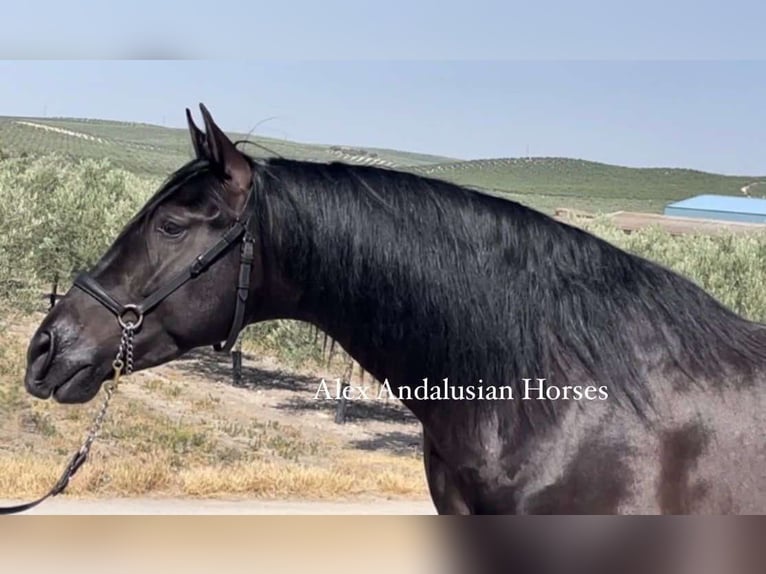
column 240, row 230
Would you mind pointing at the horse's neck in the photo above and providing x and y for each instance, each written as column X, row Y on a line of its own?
column 297, row 293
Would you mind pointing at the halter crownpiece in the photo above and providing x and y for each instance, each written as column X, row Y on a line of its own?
column 133, row 313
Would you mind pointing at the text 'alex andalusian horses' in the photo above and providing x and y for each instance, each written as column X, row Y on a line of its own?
column 653, row 394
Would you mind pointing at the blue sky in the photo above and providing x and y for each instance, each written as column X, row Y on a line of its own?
column 656, row 83
column 700, row 115
column 390, row 29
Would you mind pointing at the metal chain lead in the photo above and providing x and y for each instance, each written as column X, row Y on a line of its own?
column 123, row 362
column 119, row 365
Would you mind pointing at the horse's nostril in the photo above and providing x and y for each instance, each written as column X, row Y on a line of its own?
column 41, row 353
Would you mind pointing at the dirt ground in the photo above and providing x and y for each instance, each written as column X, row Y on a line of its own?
column 183, row 429
column 271, row 392
column 268, row 391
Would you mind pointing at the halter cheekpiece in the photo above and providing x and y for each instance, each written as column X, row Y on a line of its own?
column 134, row 312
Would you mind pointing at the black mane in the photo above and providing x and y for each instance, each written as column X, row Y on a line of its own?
column 479, row 287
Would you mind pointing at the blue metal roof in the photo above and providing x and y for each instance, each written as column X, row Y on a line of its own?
column 723, row 203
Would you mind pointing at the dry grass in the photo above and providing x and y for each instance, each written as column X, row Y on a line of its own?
column 28, row 475
column 345, row 478
column 162, row 443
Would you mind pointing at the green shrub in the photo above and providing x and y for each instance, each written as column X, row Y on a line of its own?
column 730, row 267
column 58, row 216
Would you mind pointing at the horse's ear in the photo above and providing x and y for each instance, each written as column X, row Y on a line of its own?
column 232, row 164
column 199, row 141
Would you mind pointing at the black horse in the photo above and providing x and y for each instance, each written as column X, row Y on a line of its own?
column 579, row 378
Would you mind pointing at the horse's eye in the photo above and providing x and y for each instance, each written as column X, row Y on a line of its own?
column 171, row 229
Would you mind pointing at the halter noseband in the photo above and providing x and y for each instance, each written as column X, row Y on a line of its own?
column 239, row 230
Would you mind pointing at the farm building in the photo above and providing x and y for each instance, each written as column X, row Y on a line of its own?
column 721, row 207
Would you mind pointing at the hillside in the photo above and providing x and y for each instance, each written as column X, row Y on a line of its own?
column 548, row 183
column 542, row 183
column 155, row 150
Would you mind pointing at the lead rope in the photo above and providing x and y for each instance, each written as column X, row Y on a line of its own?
column 126, row 349
column 123, row 363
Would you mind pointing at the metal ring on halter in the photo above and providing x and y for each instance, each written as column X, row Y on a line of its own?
column 130, row 324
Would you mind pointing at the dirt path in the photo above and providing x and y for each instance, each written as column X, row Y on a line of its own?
column 176, row 506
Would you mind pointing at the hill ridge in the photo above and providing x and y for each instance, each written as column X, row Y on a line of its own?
column 545, row 183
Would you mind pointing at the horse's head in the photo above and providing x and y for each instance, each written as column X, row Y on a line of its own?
column 71, row 353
